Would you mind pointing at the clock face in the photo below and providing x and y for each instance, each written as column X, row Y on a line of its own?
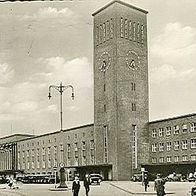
column 61, row 164
column 132, row 60
column 104, row 61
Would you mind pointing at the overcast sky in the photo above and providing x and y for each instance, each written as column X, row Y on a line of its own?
column 43, row 43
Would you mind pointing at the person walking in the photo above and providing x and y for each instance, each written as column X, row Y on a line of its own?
column 76, row 186
column 146, row 182
column 87, row 183
column 159, row 186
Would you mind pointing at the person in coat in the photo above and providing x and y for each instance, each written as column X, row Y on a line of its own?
column 159, row 186
column 87, row 184
column 76, row 186
column 146, row 182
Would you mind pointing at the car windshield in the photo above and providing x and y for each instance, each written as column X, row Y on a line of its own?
column 95, row 175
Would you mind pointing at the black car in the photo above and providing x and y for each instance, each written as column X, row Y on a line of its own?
column 95, row 178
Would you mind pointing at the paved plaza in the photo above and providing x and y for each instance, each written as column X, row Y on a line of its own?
column 115, row 188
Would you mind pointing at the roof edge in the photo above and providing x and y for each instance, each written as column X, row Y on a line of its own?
column 122, row 3
column 173, row 118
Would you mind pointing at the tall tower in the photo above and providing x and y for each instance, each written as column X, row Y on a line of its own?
column 121, row 89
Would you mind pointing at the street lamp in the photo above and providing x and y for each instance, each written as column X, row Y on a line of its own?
column 61, row 89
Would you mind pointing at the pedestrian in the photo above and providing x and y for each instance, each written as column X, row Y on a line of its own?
column 76, row 186
column 159, row 185
column 10, row 183
column 87, row 183
column 146, row 182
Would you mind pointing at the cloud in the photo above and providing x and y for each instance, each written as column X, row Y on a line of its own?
column 52, row 108
column 168, row 72
column 175, row 45
column 23, row 107
column 51, row 12
column 77, row 72
column 6, row 73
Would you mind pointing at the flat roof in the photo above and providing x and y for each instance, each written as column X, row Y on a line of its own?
column 17, row 134
column 173, row 118
column 51, row 133
column 122, row 3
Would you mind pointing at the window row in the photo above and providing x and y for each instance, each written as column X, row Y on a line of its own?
column 160, row 132
column 104, row 32
column 131, row 30
column 176, row 145
column 175, row 159
column 50, row 141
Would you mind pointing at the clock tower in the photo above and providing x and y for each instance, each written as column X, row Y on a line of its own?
column 121, row 110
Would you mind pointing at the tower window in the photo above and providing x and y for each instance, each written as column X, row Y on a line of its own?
column 133, row 107
column 104, row 87
column 132, row 86
column 104, row 108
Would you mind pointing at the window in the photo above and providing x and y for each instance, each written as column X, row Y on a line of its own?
column 154, row 147
column 193, row 143
column 193, row 127
column 161, row 131
column 133, row 107
column 176, row 129
column 134, row 146
column 161, row 159
column 168, row 131
column 134, row 31
column 111, row 28
column 104, row 87
column 18, row 160
column 43, row 158
column 84, row 152
column 184, row 128
column 121, row 27
column 55, row 155
column 138, row 32
column 38, row 159
column 126, row 29
column 105, row 144
column 176, row 158
column 154, row 160
column 69, row 153
column 130, row 30
column 28, row 160
column 92, row 151
column 33, row 158
column 104, row 108
column 76, row 153
column 49, row 157
column 154, row 133
column 161, row 147
column 176, row 145
column 184, row 158
column 142, row 34
column 168, row 146
column 168, row 159
column 132, row 86
column 104, row 32
column 100, row 34
column 107, row 30
column 61, row 153
column 184, row 144
column 193, row 157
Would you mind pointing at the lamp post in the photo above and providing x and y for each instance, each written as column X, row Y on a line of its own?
column 61, row 89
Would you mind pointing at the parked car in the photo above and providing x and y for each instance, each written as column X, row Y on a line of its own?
column 95, row 178
column 137, row 177
column 174, row 177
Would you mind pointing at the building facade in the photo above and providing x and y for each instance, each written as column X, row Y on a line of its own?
column 122, row 140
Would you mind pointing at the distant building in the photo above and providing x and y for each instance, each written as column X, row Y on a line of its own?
column 122, row 140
